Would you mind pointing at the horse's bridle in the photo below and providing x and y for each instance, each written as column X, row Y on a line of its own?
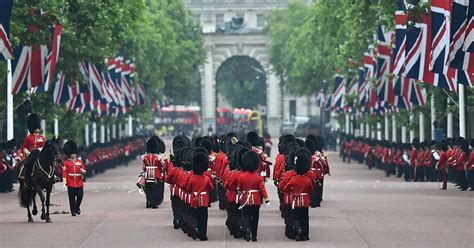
column 38, row 164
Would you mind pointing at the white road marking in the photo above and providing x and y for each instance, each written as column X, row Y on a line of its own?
column 133, row 190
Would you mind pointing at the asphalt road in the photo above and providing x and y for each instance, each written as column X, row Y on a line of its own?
column 361, row 208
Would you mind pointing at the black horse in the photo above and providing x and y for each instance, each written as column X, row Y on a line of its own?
column 38, row 177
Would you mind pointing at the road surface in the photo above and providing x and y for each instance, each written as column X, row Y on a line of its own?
column 361, row 208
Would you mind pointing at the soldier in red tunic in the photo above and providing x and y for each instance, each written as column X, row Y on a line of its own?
column 32, row 144
column 252, row 188
column 264, row 165
column 470, row 166
column 73, row 173
column 300, row 186
column 442, row 164
column 459, row 163
column 199, row 187
column 154, row 165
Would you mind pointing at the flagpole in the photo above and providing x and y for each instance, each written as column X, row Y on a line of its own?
column 347, row 123
column 462, row 113
column 130, row 126
column 412, row 130
column 433, row 117
column 102, row 133
column 362, row 129
column 387, row 128
column 450, row 122
column 108, row 133
column 56, row 127
column 379, row 130
column 94, row 132
column 394, row 128
column 86, row 135
column 10, row 128
column 114, row 131
column 422, row 127
column 367, row 130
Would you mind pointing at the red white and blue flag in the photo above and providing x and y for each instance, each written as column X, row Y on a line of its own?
column 6, row 51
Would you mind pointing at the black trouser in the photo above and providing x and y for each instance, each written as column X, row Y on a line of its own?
column 75, row 198
column 152, row 194
column 444, row 178
column 251, row 215
column 400, row 170
column 313, row 196
column 221, row 195
column 408, row 170
column 161, row 191
column 175, row 207
column 301, row 217
column 319, row 192
column 200, row 215
column 461, row 179
column 470, row 178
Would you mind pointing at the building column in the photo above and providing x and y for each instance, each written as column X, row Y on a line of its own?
column 387, row 128
column 130, row 126
column 102, row 133
column 273, row 103
column 114, row 131
column 208, row 95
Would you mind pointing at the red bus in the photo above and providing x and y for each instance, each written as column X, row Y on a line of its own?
column 182, row 118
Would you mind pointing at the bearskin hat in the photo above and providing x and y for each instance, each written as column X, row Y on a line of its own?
column 10, row 145
column 310, row 145
column 200, row 163
column 303, row 150
column 462, row 143
column 250, row 161
column 252, row 138
column 302, row 163
column 152, row 145
column 206, row 144
column 70, row 147
column 320, row 143
column 33, row 122
column 201, row 150
column 239, row 154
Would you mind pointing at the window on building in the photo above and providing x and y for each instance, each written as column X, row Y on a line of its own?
column 220, row 20
column 260, row 21
column 197, row 18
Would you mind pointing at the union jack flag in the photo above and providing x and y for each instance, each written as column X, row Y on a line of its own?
column 458, row 58
column 5, row 14
column 339, row 92
column 384, row 62
column 469, row 40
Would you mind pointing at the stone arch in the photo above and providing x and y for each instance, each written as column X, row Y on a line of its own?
column 219, row 48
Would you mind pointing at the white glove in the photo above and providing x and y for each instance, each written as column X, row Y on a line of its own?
column 267, row 204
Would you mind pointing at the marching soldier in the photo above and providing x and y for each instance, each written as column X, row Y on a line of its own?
column 264, row 164
column 300, row 186
column 442, row 164
column 73, row 177
column 252, row 187
column 199, row 187
column 154, row 165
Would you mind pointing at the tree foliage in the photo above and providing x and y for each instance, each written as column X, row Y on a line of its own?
column 160, row 36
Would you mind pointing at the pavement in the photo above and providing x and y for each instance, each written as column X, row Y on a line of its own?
column 361, row 208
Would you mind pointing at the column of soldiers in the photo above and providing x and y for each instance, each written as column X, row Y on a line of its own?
column 447, row 160
column 232, row 173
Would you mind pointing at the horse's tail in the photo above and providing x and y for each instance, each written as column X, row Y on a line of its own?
column 24, row 195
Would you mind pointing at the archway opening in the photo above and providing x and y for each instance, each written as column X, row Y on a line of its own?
column 241, row 95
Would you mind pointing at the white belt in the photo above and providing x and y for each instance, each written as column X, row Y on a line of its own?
column 249, row 193
column 295, row 197
column 74, row 175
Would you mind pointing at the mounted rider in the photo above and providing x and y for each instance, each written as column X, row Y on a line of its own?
column 32, row 144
